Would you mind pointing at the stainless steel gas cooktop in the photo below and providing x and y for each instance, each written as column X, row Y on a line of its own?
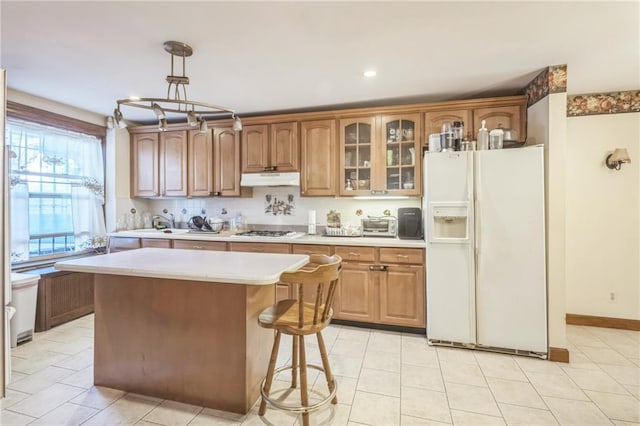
column 269, row 234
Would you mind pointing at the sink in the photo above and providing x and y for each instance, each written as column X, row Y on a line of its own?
column 163, row 231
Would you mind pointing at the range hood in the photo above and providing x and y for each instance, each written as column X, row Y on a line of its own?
column 270, row 179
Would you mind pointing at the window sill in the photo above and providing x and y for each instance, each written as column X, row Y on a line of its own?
column 44, row 263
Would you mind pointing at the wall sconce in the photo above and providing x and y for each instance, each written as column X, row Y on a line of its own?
column 615, row 159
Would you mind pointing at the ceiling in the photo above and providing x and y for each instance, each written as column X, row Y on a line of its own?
column 258, row 57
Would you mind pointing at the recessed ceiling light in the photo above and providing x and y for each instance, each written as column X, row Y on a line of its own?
column 369, row 73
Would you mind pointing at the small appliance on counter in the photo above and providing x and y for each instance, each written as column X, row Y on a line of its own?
column 410, row 223
column 383, row 226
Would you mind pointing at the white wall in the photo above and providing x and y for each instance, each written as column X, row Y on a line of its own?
column 56, row 107
column 546, row 124
column 603, row 212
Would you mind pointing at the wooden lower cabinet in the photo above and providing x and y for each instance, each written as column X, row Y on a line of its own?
column 62, row 296
column 355, row 299
column 200, row 245
column 402, row 301
column 156, row 242
column 382, row 292
column 123, row 243
column 260, row 247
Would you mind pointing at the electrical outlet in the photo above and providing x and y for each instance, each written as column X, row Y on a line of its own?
column 612, row 297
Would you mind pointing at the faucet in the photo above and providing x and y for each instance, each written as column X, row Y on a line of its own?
column 171, row 220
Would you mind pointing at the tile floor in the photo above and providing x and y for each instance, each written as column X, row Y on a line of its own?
column 384, row 378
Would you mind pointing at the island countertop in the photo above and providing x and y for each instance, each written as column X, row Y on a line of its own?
column 194, row 265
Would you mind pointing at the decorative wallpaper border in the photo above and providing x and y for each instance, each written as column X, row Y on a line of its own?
column 552, row 79
column 603, row 103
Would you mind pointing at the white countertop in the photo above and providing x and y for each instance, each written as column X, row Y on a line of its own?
column 193, row 265
column 304, row 239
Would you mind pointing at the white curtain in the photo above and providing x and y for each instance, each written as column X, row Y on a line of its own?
column 19, row 221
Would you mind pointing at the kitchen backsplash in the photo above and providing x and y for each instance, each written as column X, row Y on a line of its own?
column 278, row 206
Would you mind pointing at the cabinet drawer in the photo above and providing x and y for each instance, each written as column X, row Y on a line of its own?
column 260, row 247
column 200, row 245
column 123, row 243
column 401, row 255
column 311, row 249
column 358, row 254
column 155, row 242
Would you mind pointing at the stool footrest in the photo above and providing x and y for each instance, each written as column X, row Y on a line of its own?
column 298, row 408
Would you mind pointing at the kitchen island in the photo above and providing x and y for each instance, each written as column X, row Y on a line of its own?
column 182, row 324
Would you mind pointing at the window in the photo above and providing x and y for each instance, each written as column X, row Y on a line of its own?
column 56, row 191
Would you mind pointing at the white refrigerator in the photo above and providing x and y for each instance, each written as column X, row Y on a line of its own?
column 485, row 234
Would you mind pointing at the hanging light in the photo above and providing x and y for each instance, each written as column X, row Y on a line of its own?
column 176, row 101
column 117, row 117
column 237, row 124
column 204, row 128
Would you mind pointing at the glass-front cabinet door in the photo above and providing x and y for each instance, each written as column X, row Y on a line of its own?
column 401, row 154
column 356, row 150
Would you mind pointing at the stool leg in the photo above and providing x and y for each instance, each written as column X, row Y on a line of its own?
column 326, row 366
column 272, row 367
column 294, row 362
column 303, row 381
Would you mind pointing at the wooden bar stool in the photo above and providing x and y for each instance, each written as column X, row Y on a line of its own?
column 299, row 318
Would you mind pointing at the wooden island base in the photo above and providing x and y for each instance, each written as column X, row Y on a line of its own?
column 190, row 341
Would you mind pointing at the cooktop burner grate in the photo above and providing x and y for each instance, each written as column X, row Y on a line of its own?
column 265, row 233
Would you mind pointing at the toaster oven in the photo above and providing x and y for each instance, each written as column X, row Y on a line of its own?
column 385, row 226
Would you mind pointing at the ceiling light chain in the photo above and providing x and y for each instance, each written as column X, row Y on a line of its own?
column 179, row 103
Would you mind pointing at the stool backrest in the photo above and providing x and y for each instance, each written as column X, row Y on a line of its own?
column 319, row 271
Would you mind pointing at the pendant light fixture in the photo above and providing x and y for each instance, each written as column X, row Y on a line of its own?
column 176, row 102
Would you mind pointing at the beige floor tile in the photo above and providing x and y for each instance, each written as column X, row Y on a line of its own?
column 515, row 393
column 423, row 357
column 624, row 375
column 586, row 340
column 16, row 376
column 382, row 361
column 67, row 414
column 596, row 380
column 605, row 356
column 611, row 336
column 211, row 417
column 464, row 418
column 380, row 341
column 38, row 362
column 98, row 397
column 466, row 374
column 334, row 415
column 425, row 404
column 127, row 410
column 416, row 421
column 46, row 400
column 499, row 366
column 619, row 407
column 272, row 417
column 171, row 413
column 346, row 388
column 521, row 416
column 579, row 360
column 81, row 379
column 471, row 398
column 345, row 365
column 79, row 344
column 556, row 386
column 375, row 409
column 354, row 333
column 33, row 348
column 41, row 379
column 621, row 423
column 633, row 390
column 628, row 350
column 535, row 365
column 464, row 356
column 636, row 361
column 578, row 413
column 12, row 397
column 422, row 377
column 10, row 418
column 352, row 348
column 77, row 362
column 379, row 381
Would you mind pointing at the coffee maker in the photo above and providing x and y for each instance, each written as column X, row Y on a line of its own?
column 410, row 223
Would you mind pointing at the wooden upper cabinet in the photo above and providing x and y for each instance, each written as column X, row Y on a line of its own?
column 200, row 164
column 399, row 160
column 433, row 121
column 509, row 117
column 173, row 164
column 270, row 148
column 356, row 155
column 318, row 148
column 145, row 148
column 284, row 147
column 226, row 153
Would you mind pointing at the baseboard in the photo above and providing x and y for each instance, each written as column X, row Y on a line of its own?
column 593, row 321
column 558, row 354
